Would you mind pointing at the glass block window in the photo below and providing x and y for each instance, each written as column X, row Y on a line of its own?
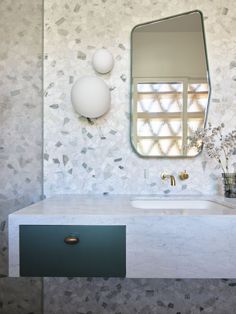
column 165, row 114
column 196, row 110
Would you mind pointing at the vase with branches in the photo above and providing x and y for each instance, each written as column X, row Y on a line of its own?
column 222, row 148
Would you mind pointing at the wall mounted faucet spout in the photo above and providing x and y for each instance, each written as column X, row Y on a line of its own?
column 165, row 176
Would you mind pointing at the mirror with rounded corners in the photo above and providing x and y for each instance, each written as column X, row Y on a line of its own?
column 170, row 85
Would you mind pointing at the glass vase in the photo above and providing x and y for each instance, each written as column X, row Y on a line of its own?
column 229, row 184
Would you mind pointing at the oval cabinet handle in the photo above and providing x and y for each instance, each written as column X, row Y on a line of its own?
column 71, row 240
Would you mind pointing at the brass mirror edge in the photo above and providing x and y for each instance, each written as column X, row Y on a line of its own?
column 131, row 83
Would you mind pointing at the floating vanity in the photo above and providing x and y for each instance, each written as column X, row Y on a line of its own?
column 124, row 236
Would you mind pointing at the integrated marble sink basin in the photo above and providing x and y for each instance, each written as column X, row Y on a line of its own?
column 177, row 204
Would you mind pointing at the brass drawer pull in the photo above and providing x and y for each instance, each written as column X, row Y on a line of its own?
column 71, row 240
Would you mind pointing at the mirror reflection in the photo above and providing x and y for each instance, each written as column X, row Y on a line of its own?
column 170, row 85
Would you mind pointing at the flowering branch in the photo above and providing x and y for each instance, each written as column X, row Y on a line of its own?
column 218, row 146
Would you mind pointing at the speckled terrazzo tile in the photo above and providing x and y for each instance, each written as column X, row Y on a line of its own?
column 21, row 110
column 144, row 296
column 20, row 296
column 78, row 28
column 20, row 100
column 20, row 136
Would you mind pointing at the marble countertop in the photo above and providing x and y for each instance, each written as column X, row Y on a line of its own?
column 160, row 243
column 117, row 205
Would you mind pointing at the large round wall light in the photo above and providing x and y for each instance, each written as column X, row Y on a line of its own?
column 90, row 97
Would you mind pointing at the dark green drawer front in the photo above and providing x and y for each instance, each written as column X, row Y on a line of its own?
column 101, row 251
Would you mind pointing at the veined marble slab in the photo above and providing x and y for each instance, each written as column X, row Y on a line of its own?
column 160, row 243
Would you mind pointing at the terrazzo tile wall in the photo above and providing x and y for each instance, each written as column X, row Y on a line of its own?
column 96, row 157
column 20, row 136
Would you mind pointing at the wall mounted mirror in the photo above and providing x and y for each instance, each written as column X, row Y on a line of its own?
column 170, row 86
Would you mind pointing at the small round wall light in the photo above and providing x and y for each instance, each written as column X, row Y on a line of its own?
column 103, row 61
column 90, row 97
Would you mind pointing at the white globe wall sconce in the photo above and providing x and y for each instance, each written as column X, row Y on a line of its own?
column 102, row 61
column 90, row 97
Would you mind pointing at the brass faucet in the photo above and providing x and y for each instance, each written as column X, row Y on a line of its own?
column 165, row 176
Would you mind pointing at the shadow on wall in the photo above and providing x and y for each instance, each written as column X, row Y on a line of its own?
column 20, row 137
